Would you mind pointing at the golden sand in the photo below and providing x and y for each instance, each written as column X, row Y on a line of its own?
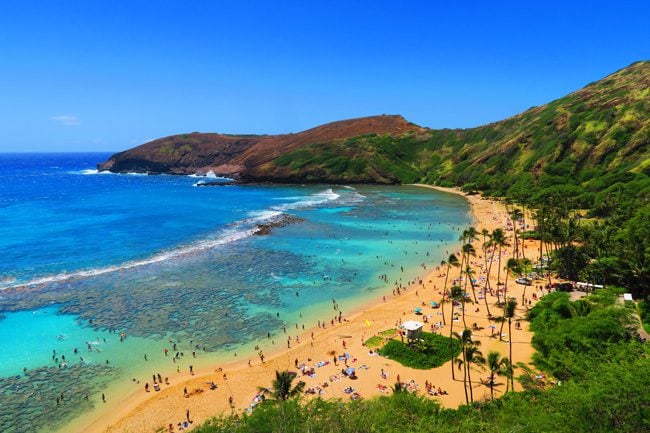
column 148, row 412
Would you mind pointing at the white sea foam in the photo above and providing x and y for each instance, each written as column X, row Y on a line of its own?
column 92, row 171
column 238, row 231
column 264, row 215
column 210, row 175
column 227, row 236
column 203, row 182
column 309, row 201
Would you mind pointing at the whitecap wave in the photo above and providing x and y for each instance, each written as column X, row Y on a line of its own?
column 312, row 200
column 227, row 236
column 93, row 171
column 210, row 175
column 264, row 215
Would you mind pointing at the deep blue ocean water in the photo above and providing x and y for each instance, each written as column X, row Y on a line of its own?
column 87, row 257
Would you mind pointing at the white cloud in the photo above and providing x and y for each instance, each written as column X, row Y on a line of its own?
column 67, row 120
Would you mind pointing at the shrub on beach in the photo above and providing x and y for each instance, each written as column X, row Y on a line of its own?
column 432, row 350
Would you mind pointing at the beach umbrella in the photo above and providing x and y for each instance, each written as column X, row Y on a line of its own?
column 350, row 371
column 492, row 326
column 434, row 304
column 418, row 311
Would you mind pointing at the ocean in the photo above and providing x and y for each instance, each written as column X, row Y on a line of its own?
column 100, row 273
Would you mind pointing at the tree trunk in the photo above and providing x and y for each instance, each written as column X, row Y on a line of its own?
column 505, row 286
column 540, row 232
column 503, row 321
column 462, row 305
column 485, row 295
column 523, row 217
column 499, row 269
column 462, row 260
column 514, row 228
column 444, row 293
column 492, row 386
column 487, row 278
column 469, row 383
column 465, row 377
column 451, row 341
column 471, row 284
column 512, row 373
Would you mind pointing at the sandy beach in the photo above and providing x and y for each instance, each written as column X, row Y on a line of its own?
column 237, row 382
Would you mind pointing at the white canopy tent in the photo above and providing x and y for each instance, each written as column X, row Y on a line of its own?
column 588, row 286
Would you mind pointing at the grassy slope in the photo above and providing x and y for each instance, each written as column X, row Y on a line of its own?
column 596, row 136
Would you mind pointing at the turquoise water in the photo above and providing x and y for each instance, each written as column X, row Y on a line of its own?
column 123, row 266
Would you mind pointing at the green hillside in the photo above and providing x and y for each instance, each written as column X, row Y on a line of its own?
column 582, row 163
column 585, row 142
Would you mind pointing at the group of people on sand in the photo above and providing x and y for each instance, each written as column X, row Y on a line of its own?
column 182, row 425
column 431, row 389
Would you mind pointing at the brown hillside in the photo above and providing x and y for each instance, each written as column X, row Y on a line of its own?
column 235, row 154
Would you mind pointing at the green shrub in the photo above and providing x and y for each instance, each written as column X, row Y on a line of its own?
column 431, row 351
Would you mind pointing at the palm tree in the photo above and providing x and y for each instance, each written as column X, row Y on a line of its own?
column 500, row 241
column 464, row 338
column 456, row 293
column 509, row 313
column 473, row 356
column 468, row 250
column 282, row 386
column 497, row 366
column 507, row 372
column 467, row 237
column 469, row 274
column 451, row 261
column 516, row 216
column 490, row 244
column 486, row 234
column 511, row 265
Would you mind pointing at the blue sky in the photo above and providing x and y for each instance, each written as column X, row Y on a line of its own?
column 108, row 75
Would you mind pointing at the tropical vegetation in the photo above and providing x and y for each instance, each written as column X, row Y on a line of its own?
column 591, row 375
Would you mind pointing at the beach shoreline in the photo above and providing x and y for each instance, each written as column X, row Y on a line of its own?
column 141, row 411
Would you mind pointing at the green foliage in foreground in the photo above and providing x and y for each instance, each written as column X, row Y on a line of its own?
column 644, row 313
column 606, row 392
column 613, row 398
column 432, row 351
column 570, row 337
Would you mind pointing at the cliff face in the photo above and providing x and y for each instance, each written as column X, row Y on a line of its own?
column 241, row 156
